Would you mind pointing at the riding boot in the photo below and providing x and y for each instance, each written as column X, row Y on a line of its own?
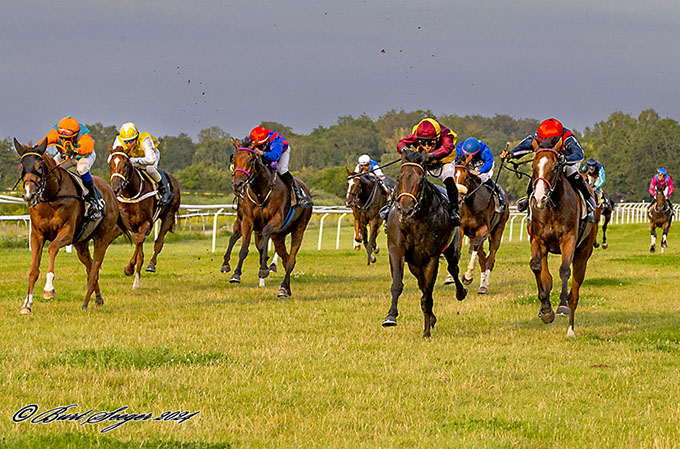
column 579, row 184
column 385, row 209
column 297, row 199
column 92, row 211
column 523, row 203
column 452, row 193
column 163, row 193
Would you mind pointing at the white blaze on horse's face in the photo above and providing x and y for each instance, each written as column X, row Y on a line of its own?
column 115, row 161
column 541, row 187
column 350, row 184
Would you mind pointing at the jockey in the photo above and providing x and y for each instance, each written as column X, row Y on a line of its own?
column 663, row 180
column 366, row 164
column 142, row 148
column 76, row 149
column 551, row 134
column 594, row 170
column 481, row 163
column 273, row 147
column 439, row 143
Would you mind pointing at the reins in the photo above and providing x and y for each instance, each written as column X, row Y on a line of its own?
column 251, row 179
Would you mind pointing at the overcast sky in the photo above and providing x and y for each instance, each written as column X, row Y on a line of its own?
column 181, row 66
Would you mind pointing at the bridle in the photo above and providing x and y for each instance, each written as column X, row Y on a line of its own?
column 418, row 199
column 469, row 194
column 245, row 188
column 42, row 184
column 125, row 181
column 556, row 174
column 354, row 201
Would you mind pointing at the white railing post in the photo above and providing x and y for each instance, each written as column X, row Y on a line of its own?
column 512, row 225
column 337, row 236
column 323, row 217
column 214, row 236
column 521, row 228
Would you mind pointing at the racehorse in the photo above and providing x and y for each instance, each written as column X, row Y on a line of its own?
column 139, row 209
column 366, row 197
column 606, row 209
column 57, row 214
column 660, row 215
column 235, row 236
column 419, row 228
column 479, row 221
column 265, row 208
column 556, row 226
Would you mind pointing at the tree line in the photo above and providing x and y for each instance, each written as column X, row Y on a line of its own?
column 631, row 149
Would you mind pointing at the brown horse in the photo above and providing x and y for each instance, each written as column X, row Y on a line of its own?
column 265, row 208
column 139, row 210
column 606, row 208
column 660, row 215
column 556, row 226
column 419, row 228
column 57, row 214
column 480, row 222
column 235, row 236
column 366, row 197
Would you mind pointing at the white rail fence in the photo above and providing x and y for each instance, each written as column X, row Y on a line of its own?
column 202, row 214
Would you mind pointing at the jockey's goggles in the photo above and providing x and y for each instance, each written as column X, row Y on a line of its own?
column 66, row 133
column 128, row 142
column 426, row 142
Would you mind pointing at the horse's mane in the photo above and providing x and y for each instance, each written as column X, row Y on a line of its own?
column 413, row 156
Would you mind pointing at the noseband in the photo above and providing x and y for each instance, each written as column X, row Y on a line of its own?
column 354, row 202
column 43, row 179
column 557, row 171
column 125, row 181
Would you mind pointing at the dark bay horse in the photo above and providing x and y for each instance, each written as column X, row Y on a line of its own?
column 366, row 197
column 480, row 222
column 660, row 215
column 57, row 213
column 136, row 198
column 419, row 228
column 557, row 227
column 606, row 209
column 265, row 209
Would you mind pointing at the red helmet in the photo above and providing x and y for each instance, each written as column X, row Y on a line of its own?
column 259, row 135
column 549, row 128
column 427, row 130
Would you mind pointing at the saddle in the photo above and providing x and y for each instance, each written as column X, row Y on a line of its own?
column 88, row 226
column 164, row 179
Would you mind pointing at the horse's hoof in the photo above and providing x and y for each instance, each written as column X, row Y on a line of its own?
column 563, row 311
column 25, row 311
column 652, row 249
column 128, row 270
column 225, row 268
column 433, row 321
column 596, row 245
column 604, row 245
column 262, row 274
column 151, row 268
column 390, row 321
column 449, row 280
column 467, row 281
column 376, row 250
column 547, row 317
column 49, row 294
column 282, row 293
column 235, row 279
column 460, row 295
column 482, row 291
column 84, row 306
column 272, row 268
column 373, row 259
column 98, row 300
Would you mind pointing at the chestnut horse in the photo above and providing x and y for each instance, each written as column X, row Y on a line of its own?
column 419, row 228
column 606, row 209
column 366, row 197
column 265, row 208
column 556, row 226
column 660, row 215
column 139, row 210
column 480, row 222
column 57, row 213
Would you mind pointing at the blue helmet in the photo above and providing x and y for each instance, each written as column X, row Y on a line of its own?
column 471, row 145
column 591, row 163
column 662, row 171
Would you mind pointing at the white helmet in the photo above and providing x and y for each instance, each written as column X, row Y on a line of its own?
column 364, row 159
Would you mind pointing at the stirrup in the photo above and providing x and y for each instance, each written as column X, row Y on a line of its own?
column 522, row 204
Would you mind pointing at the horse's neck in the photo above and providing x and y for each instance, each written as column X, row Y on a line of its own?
column 262, row 180
column 366, row 191
column 660, row 200
column 58, row 181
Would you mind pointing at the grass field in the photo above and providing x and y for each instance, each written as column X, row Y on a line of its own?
column 318, row 370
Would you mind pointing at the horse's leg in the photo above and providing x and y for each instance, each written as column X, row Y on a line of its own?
column 37, row 243
column 138, row 239
column 653, row 231
column 452, row 255
column 130, row 267
column 166, row 223
column 367, row 242
column 246, row 231
column 664, row 243
column 494, row 244
column 607, row 217
column 484, row 274
column 83, row 251
column 261, row 244
column 295, row 242
column 567, row 248
column 373, row 234
column 100, row 247
column 539, row 265
column 64, row 236
column 235, row 235
column 580, row 262
column 426, row 277
column 397, row 270
column 468, row 276
column 357, row 234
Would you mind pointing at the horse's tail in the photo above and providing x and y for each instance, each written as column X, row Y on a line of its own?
column 122, row 227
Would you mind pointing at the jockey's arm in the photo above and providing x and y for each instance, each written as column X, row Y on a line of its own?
column 378, row 172
column 149, row 153
column 406, row 142
column 275, row 149
column 600, row 179
column 669, row 184
column 487, row 157
column 447, row 146
column 573, row 150
column 523, row 148
column 652, row 186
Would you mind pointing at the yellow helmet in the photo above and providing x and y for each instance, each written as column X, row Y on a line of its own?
column 128, row 132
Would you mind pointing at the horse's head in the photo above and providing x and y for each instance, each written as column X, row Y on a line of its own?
column 410, row 183
column 547, row 166
column 354, row 186
column 466, row 179
column 34, row 171
column 244, row 163
column 120, row 169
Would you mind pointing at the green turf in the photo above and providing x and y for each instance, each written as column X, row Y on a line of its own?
column 318, row 370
